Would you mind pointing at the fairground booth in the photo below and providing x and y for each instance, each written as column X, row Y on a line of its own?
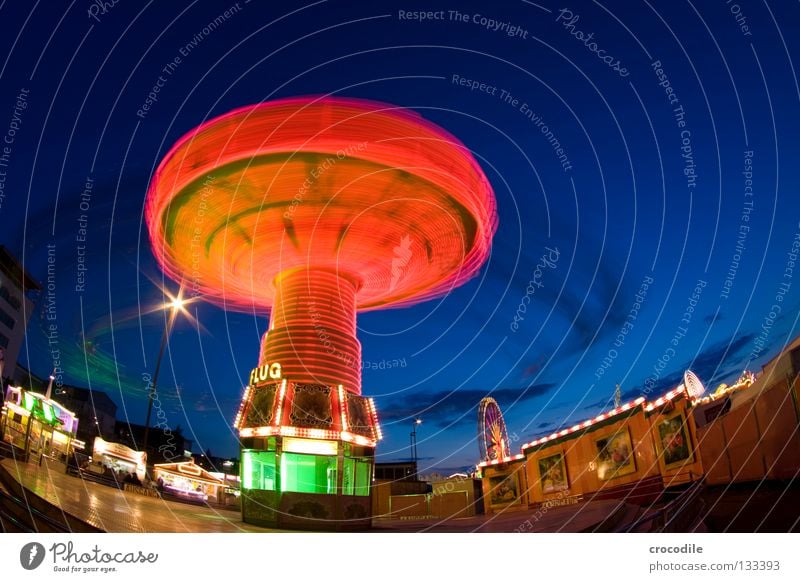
column 307, row 453
column 189, row 481
column 505, row 485
column 37, row 426
column 746, row 432
column 117, row 458
column 632, row 452
column 750, row 430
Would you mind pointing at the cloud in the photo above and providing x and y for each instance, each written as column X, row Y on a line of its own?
column 593, row 314
column 626, row 396
column 720, row 359
column 717, row 362
column 663, row 384
column 542, row 429
column 711, row 365
column 449, row 407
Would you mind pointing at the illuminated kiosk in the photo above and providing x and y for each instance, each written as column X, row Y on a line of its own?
column 115, row 457
column 314, row 208
column 38, row 426
column 188, row 481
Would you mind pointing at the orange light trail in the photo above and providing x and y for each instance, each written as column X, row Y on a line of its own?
column 314, row 208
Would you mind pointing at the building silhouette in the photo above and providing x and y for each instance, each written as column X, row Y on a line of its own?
column 17, row 298
column 96, row 412
column 164, row 445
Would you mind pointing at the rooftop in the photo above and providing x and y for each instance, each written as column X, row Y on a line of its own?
column 16, row 272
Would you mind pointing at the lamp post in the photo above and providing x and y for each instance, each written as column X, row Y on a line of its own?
column 222, row 496
column 226, row 465
column 175, row 305
column 417, row 422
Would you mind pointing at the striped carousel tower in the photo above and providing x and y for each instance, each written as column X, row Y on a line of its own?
column 312, row 209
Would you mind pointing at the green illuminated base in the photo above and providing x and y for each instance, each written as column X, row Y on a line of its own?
column 307, row 486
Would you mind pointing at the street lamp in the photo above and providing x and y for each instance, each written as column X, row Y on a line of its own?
column 175, row 304
column 225, row 466
column 417, row 422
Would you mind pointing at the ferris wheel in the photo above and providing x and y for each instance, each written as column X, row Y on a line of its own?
column 492, row 434
column 694, row 387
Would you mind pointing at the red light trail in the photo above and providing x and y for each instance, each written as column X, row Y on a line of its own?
column 314, row 208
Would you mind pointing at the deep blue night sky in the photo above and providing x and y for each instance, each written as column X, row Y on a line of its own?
column 652, row 192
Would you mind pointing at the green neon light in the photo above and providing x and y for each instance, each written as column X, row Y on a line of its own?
column 284, row 473
column 308, row 473
column 247, row 471
column 48, row 412
column 363, row 477
column 29, row 402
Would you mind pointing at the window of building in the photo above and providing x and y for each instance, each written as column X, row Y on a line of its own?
column 356, row 477
column 7, row 320
column 308, row 473
column 258, row 470
column 10, row 299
